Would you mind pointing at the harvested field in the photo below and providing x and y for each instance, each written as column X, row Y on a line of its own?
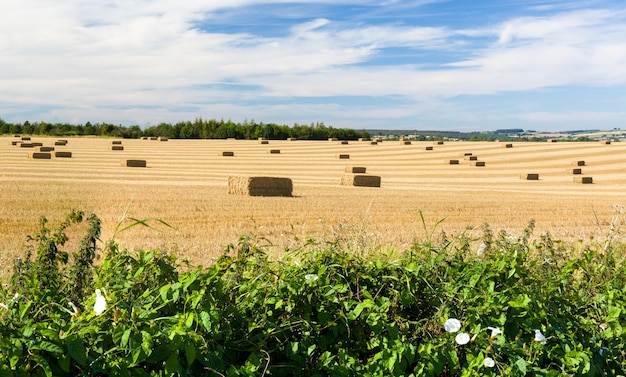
column 186, row 186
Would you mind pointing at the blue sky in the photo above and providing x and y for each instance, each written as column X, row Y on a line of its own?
column 389, row 64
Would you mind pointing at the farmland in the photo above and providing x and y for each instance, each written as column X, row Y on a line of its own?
column 185, row 185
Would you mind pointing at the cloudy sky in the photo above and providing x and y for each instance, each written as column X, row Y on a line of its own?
column 397, row 64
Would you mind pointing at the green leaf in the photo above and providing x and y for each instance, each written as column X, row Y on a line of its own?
column 76, row 349
column 125, row 337
column 205, row 319
column 190, row 352
column 171, row 364
column 521, row 365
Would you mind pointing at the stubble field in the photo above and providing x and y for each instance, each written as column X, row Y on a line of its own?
column 185, row 185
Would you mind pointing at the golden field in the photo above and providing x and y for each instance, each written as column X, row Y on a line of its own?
column 185, row 185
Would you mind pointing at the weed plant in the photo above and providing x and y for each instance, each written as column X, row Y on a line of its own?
column 515, row 306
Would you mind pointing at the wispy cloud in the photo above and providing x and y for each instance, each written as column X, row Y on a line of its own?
column 149, row 61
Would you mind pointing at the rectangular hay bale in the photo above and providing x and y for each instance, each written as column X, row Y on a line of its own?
column 226, row 153
column 40, row 155
column 477, row 163
column 134, row 163
column 46, row 149
column 116, row 142
column 530, row 176
column 452, row 162
column 356, row 169
column 360, row 180
column 260, row 186
column 585, row 180
column 26, row 145
column 274, row 151
column 63, row 154
column 343, row 156
column 163, row 138
column 508, row 145
column 60, row 143
column 428, row 148
column 579, row 163
column 264, row 142
column 117, row 147
column 471, row 158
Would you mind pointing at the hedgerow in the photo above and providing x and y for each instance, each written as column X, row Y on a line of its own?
column 516, row 306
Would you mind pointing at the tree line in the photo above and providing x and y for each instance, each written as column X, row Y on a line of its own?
column 198, row 129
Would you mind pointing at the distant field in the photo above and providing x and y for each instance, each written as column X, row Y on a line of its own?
column 185, row 184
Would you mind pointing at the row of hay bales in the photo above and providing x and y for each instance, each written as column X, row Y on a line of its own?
column 155, row 138
column 577, row 172
column 467, row 156
column 44, row 152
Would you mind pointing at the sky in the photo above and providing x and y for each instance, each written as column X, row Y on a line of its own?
column 546, row 65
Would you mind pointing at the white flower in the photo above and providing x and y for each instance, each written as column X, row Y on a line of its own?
column 462, row 338
column 310, row 277
column 74, row 308
column 539, row 337
column 101, row 303
column 4, row 306
column 489, row 362
column 481, row 249
column 452, row 325
column 16, row 296
column 494, row 331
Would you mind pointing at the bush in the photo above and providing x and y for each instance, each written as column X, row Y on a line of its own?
column 519, row 307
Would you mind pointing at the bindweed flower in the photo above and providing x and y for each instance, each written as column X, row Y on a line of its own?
column 101, row 303
column 16, row 296
column 452, row 325
column 462, row 338
column 489, row 362
column 75, row 310
column 539, row 337
column 481, row 249
column 494, row 331
column 310, row 277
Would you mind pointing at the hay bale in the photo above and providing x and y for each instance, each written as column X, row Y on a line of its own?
column 37, row 144
column 363, row 139
column 428, row 148
column 163, row 138
column 530, row 176
column 17, row 135
column 579, row 163
column 465, row 154
column 46, row 149
column 356, row 169
column 452, row 162
column 333, row 139
column 343, row 142
column 584, row 180
column 508, row 145
column 438, row 143
column 154, row 138
column 16, row 142
column 274, row 151
column 144, row 138
column 134, row 163
column 226, row 153
column 405, row 142
column 470, row 158
column 373, row 143
column 380, row 140
column 116, row 142
column 26, row 145
column 263, row 142
column 477, row 163
column 40, row 155
column 576, row 171
column 360, row 180
column 25, row 138
column 343, row 156
column 605, row 142
column 60, row 143
column 552, row 140
column 291, row 139
column 117, row 147
column 260, row 186
column 63, row 154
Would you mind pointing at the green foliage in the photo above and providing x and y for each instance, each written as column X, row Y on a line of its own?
column 318, row 311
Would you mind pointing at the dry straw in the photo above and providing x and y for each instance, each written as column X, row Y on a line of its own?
column 356, row 169
column 63, row 154
column 585, row 180
column 134, row 163
column 40, row 155
column 260, row 186
column 530, row 176
column 360, row 180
